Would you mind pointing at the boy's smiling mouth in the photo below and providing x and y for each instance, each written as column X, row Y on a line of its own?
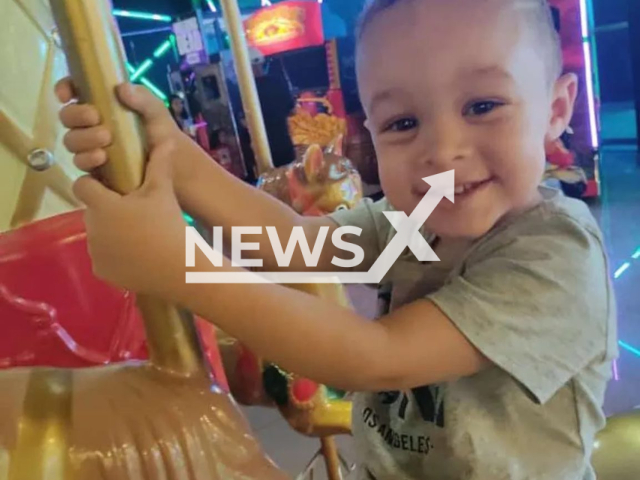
column 466, row 189
column 463, row 190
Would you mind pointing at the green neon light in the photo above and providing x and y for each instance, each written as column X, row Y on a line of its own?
column 188, row 219
column 148, row 63
column 155, row 90
column 162, row 49
column 621, row 270
column 142, row 15
column 629, row 348
column 142, row 69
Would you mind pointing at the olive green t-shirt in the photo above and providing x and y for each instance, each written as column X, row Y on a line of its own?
column 534, row 296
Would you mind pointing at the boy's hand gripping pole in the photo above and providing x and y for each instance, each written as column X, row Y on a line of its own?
column 97, row 63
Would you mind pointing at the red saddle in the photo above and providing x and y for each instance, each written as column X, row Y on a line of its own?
column 54, row 312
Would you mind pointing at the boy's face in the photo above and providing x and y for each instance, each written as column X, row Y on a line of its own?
column 463, row 85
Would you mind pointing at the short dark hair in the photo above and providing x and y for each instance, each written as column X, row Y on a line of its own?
column 540, row 14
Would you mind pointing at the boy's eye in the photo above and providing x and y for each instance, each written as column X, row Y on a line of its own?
column 402, row 125
column 482, row 108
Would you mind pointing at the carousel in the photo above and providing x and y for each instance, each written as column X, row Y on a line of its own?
column 98, row 383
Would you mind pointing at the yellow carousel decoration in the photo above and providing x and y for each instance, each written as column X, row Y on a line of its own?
column 163, row 418
column 311, row 409
column 615, row 454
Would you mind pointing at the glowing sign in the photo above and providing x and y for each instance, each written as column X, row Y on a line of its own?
column 285, row 26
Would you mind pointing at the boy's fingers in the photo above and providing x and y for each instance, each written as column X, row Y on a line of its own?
column 89, row 161
column 79, row 116
column 92, row 193
column 141, row 100
column 159, row 172
column 64, row 90
column 88, row 139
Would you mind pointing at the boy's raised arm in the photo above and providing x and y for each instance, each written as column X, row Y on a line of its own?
column 204, row 188
column 218, row 198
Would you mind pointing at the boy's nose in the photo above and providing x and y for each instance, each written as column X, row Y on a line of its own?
column 445, row 144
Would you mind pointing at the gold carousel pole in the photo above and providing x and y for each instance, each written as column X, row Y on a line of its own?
column 247, row 83
column 96, row 59
column 260, row 142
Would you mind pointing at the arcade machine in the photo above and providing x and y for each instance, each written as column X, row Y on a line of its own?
column 290, row 34
column 200, row 81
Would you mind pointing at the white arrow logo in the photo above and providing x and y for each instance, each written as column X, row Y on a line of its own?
column 408, row 235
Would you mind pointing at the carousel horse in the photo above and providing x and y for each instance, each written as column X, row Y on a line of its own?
column 321, row 183
column 318, row 184
column 161, row 418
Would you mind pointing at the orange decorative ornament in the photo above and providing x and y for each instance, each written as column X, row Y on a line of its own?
column 322, row 183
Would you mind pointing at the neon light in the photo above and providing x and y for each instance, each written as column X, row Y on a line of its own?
column 586, row 44
column 621, row 270
column 188, row 219
column 142, row 69
column 616, row 376
column 142, row 15
column 147, row 31
column 155, row 90
column 629, row 348
column 636, row 255
column 212, row 6
column 148, row 63
column 162, row 49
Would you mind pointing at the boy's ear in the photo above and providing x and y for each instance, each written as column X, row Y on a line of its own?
column 565, row 92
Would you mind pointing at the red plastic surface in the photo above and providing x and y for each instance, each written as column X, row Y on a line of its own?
column 55, row 312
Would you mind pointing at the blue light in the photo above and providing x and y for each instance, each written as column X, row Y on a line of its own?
column 621, row 270
column 162, row 49
column 142, row 15
column 155, row 90
column 629, row 348
column 142, row 69
column 636, row 255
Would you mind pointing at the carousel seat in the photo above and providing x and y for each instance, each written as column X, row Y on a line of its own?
column 55, row 313
column 123, row 419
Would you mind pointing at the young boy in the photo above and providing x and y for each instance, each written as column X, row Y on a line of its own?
column 490, row 364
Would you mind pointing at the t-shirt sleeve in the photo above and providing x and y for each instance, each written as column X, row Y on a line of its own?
column 369, row 217
column 537, row 305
